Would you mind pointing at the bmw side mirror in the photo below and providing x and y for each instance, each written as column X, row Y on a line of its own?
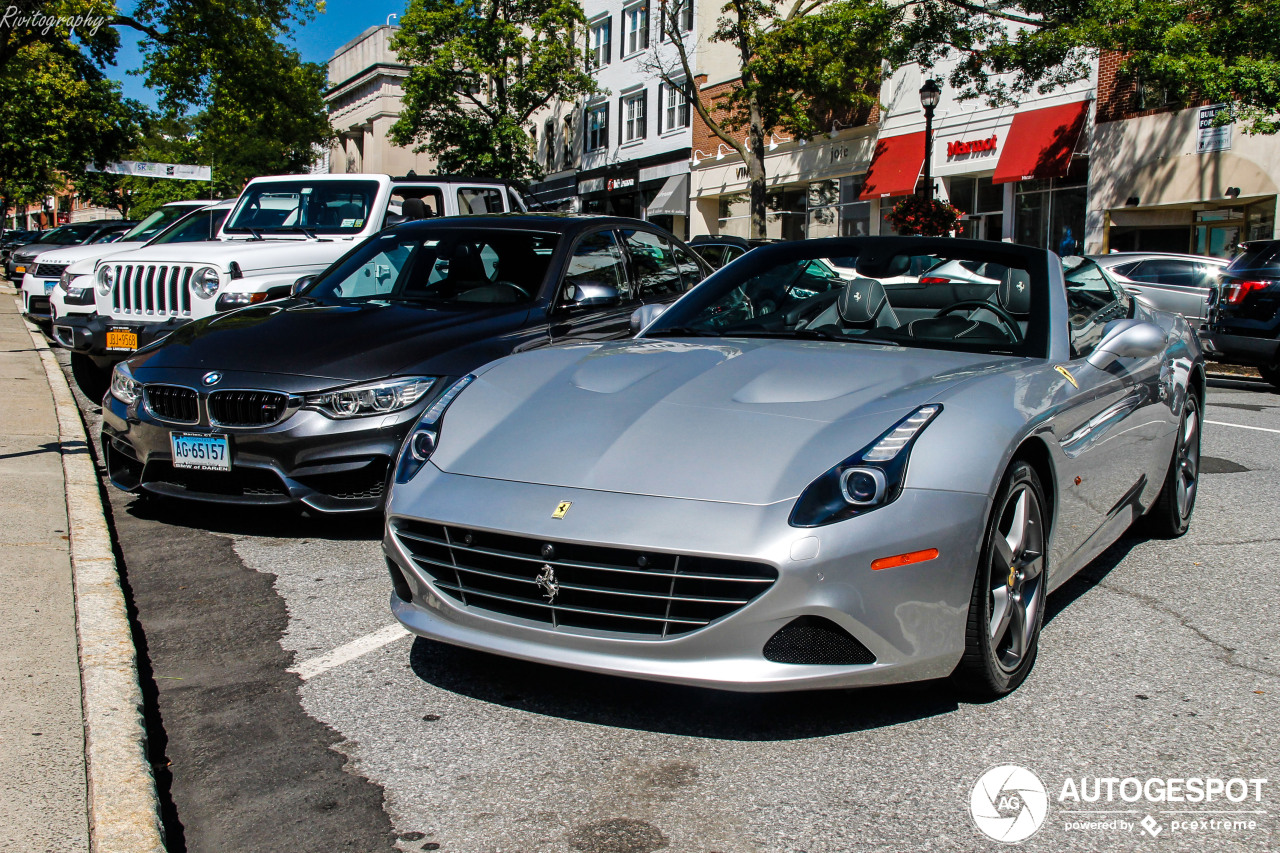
column 644, row 315
column 1127, row 339
column 591, row 293
column 300, row 286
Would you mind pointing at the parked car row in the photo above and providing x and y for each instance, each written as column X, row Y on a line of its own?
column 829, row 463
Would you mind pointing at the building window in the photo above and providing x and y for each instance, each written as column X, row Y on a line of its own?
column 637, row 22
column 1049, row 213
column 549, row 142
column 569, row 148
column 596, row 127
column 600, row 51
column 634, row 125
column 677, row 15
column 673, row 108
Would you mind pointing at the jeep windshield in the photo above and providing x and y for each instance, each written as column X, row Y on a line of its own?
column 460, row 267
column 303, row 207
column 930, row 293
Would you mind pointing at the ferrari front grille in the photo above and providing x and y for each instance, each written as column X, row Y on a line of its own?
column 565, row 584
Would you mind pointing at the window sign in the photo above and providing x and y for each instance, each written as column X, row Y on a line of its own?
column 1208, row 137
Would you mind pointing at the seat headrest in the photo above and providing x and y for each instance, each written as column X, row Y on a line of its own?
column 414, row 208
column 1014, row 292
column 861, row 300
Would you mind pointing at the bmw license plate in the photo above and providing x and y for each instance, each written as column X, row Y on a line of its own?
column 200, row 451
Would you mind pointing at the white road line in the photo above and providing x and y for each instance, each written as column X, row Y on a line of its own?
column 312, row 667
column 1242, row 426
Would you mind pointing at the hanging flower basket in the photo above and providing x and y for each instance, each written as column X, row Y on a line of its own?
column 924, row 217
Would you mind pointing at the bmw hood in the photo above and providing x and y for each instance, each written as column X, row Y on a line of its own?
column 331, row 344
column 738, row 420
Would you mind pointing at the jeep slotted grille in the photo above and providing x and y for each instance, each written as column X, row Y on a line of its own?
column 582, row 586
column 161, row 289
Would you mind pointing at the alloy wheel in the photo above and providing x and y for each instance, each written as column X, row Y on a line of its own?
column 1017, row 578
column 1188, row 465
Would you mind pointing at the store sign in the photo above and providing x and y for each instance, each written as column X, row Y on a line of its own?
column 621, row 183
column 973, row 146
column 591, row 185
column 1208, row 137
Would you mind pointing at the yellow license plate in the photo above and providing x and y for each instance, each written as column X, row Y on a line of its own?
column 122, row 339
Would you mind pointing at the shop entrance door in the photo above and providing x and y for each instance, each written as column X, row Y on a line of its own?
column 1218, row 241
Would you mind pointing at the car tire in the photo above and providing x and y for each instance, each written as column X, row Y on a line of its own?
column 1170, row 515
column 1006, row 609
column 90, row 379
column 1271, row 373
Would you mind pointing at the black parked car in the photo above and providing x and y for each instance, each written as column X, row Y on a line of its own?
column 1245, row 328
column 76, row 234
column 307, row 399
column 719, row 250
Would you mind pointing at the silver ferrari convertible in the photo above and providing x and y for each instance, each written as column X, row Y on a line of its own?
column 862, row 482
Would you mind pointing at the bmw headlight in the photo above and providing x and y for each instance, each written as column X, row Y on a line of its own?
column 106, row 279
column 375, row 398
column 421, row 443
column 124, row 387
column 867, row 480
column 205, row 281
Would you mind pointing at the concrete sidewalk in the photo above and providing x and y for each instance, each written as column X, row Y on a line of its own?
column 43, row 789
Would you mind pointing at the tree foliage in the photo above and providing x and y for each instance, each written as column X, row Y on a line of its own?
column 479, row 70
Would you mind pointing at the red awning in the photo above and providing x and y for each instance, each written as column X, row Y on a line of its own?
column 1040, row 143
column 895, row 167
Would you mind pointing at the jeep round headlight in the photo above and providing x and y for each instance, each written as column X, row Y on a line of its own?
column 106, row 279
column 205, row 281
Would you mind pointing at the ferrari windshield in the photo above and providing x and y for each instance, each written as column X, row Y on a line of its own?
column 303, row 207
column 935, row 293
column 444, row 266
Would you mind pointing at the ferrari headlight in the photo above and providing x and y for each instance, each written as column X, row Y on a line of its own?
column 106, row 279
column 205, row 281
column 421, row 443
column 868, row 480
column 375, row 398
column 124, row 387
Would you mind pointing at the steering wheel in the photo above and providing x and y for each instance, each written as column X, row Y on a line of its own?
column 514, row 287
column 1006, row 319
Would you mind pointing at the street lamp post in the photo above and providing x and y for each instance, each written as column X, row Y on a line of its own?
column 930, row 93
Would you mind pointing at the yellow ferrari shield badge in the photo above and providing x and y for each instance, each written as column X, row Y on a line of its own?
column 561, row 509
column 1067, row 374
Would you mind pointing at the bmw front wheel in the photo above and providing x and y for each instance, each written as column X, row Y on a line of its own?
column 1006, row 610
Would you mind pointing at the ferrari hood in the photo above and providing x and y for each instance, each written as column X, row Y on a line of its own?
column 738, row 420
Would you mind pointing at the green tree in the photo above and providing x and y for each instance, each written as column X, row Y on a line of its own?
column 802, row 64
column 479, row 70
column 57, row 111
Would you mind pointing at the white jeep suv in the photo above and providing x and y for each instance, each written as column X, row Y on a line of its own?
column 282, row 230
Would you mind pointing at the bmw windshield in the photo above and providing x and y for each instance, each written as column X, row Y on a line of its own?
column 303, row 207
column 937, row 293
column 444, row 266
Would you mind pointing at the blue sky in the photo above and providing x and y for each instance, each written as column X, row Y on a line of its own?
column 342, row 21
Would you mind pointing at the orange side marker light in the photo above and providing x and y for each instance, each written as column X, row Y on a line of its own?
column 904, row 559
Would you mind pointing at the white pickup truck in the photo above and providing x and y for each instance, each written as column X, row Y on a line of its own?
column 282, row 229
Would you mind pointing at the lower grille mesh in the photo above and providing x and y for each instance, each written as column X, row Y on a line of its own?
column 582, row 586
column 817, row 641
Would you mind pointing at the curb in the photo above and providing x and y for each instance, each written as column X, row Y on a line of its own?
column 124, row 810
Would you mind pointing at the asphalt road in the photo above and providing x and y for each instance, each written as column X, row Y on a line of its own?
column 1161, row 659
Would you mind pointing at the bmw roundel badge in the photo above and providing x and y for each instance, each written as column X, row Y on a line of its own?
column 213, row 377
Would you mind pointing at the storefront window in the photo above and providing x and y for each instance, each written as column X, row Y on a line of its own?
column 1049, row 213
column 982, row 202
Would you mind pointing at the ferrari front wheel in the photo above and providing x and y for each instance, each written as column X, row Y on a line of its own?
column 1006, row 610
